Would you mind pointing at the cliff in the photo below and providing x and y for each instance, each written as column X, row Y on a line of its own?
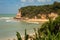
column 36, row 11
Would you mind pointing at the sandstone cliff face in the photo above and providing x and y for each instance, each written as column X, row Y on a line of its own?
column 18, row 15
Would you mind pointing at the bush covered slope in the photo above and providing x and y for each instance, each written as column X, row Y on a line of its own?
column 31, row 11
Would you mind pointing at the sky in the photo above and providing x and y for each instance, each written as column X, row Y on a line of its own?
column 12, row 6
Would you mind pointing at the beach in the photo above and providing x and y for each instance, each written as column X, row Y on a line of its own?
column 37, row 21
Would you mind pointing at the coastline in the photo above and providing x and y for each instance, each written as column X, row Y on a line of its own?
column 37, row 21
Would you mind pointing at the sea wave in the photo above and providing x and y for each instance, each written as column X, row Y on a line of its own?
column 8, row 19
column 12, row 21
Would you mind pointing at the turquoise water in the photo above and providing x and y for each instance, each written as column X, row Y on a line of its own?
column 9, row 29
column 7, row 15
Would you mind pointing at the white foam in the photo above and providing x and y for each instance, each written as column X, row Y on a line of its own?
column 8, row 20
column 11, row 20
column 6, row 17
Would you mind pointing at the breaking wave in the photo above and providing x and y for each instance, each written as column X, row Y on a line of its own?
column 8, row 19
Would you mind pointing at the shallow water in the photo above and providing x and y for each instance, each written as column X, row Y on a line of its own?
column 8, row 28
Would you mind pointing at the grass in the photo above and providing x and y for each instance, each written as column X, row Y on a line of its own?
column 48, row 31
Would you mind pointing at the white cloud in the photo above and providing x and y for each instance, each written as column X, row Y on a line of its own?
column 43, row 0
column 23, row 0
column 48, row 0
column 57, row 0
column 35, row 0
column 30, row 0
column 27, row 0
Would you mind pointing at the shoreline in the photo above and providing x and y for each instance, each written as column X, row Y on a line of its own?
column 37, row 21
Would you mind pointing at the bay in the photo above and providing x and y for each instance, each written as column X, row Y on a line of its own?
column 8, row 29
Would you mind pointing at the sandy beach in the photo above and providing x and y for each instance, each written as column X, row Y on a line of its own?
column 36, row 20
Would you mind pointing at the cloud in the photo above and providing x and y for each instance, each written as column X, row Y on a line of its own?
column 30, row 0
column 27, row 0
column 57, row 0
column 43, row 0
column 23, row 0
column 48, row 0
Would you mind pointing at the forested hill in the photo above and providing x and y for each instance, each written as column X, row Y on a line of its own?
column 31, row 11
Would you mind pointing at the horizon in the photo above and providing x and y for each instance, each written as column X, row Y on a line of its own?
column 12, row 6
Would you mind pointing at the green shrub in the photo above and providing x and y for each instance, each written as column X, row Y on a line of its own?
column 48, row 31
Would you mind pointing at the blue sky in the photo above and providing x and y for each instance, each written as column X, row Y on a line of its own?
column 12, row 6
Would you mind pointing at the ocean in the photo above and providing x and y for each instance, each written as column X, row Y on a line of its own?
column 9, row 27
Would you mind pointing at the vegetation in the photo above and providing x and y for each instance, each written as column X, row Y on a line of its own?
column 18, row 36
column 32, row 11
column 48, row 31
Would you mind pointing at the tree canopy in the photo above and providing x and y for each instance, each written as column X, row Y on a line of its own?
column 32, row 11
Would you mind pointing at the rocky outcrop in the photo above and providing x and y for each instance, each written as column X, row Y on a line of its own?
column 18, row 15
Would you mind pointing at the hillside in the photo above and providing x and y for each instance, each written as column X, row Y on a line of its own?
column 32, row 11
